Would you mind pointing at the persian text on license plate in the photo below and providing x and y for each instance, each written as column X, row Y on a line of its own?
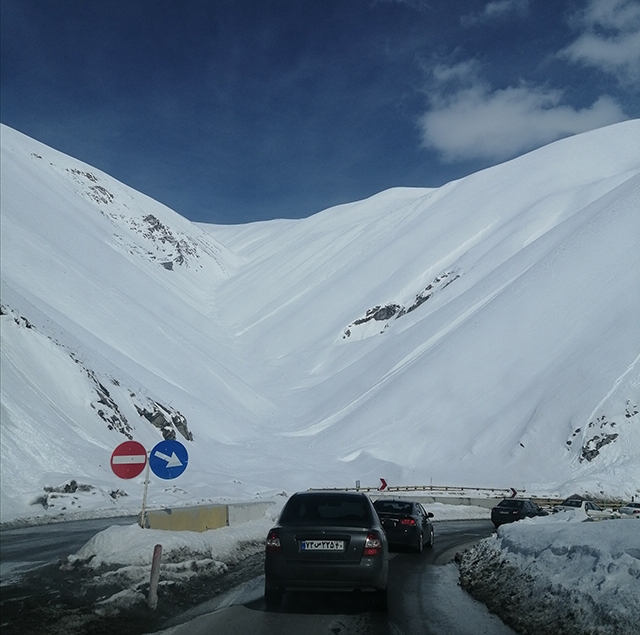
column 322, row 545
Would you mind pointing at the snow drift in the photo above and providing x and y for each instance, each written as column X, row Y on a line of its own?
column 559, row 574
column 484, row 333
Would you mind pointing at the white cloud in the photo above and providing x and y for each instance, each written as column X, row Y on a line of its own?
column 610, row 40
column 474, row 122
column 497, row 10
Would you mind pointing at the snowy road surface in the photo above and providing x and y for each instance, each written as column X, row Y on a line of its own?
column 424, row 599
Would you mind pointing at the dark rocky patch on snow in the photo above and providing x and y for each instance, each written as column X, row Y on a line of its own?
column 600, row 432
column 69, row 496
column 166, row 246
column 167, row 420
column 382, row 313
column 592, row 446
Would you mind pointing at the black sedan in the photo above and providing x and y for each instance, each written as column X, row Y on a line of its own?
column 327, row 541
column 406, row 523
column 512, row 509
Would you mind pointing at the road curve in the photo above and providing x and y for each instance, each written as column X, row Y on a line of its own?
column 424, row 599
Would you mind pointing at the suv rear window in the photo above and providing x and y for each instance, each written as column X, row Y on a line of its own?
column 327, row 509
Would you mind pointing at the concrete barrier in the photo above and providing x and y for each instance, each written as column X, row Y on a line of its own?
column 239, row 513
column 446, row 500
column 205, row 517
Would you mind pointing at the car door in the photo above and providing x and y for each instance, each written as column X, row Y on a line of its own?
column 596, row 512
column 424, row 519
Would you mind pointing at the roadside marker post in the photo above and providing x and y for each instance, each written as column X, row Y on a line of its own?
column 152, row 600
column 143, row 511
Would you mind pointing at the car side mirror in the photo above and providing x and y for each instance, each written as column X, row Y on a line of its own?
column 429, row 514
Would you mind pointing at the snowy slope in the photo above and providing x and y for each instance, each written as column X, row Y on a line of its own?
column 484, row 333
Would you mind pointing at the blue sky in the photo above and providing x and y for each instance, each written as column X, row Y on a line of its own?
column 231, row 111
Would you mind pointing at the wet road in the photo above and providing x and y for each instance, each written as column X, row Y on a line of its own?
column 28, row 548
column 424, row 599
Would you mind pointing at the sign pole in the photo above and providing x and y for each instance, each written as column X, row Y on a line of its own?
column 144, row 497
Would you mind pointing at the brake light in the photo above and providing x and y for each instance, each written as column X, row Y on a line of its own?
column 273, row 542
column 408, row 521
column 373, row 545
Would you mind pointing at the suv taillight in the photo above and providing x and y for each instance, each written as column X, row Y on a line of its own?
column 273, row 542
column 373, row 545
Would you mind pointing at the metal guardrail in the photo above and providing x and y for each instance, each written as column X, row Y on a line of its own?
column 489, row 492
column 440, row 489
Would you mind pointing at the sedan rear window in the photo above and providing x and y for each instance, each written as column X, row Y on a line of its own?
column 393, row 507
column 511, row 504
column 326, row 510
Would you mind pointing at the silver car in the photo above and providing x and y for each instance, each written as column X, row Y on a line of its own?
column 593, row 511
column 327, row 541
column 630, row 510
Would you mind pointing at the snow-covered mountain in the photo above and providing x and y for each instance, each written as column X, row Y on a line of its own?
column 484, row 333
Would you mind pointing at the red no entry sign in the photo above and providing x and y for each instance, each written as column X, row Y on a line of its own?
column 128, row 459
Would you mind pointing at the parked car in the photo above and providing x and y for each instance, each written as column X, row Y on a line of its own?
column 630, row 510
column 511, row 509
column 406, row 523
column 327, row 541
column 593, row 511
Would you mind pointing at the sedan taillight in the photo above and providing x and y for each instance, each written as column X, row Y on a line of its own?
column 408, row 521
column 373, row 545
column 273, row 542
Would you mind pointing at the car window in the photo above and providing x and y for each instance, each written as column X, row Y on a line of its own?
column 326, row 510
column 393, row 507
column 511, row 504
column 572, row 503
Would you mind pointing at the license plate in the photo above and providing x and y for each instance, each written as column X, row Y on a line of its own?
column 322, row 545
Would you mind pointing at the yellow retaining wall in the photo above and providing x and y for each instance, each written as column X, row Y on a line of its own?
column 204, row 517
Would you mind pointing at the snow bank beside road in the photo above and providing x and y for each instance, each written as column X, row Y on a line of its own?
column 557, row 571
column 131, row 545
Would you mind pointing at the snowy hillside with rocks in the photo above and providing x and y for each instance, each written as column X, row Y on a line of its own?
column 484, row 333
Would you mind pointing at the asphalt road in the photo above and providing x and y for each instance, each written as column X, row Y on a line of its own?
column 424, row 595
column 424, row 599
column 28, row 548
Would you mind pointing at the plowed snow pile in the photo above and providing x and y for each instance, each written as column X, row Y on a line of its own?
column 557, row 574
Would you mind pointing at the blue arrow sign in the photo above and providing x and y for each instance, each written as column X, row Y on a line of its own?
column 168, row 459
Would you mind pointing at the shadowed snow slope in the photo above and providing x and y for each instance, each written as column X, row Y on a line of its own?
column 484, row 333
